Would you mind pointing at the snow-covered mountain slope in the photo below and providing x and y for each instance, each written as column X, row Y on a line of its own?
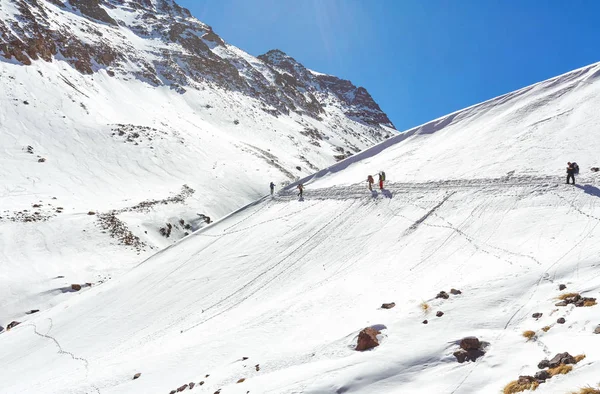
column 141, row 114
column 271, row 298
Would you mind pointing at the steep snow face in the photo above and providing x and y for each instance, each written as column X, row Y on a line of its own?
column 271, row 298
column 140, row 115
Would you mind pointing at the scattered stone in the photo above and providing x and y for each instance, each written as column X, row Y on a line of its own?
column 192, row 384
column 562, row 287
column 367, row 339
column 207, row 376
column 244, row 358
column 442, row 294
column 173, row 392
column 1, row 328
column 561, row 358
column 201, row 383
column 31, row 312
column 241, row 380
column 91, row 213
column 561, row 303
column 36, row 206
column 12, row 324
column 388, row 306
column 543, row 364
column 537, row 315
column 455, row 292
column 137, row 375
column 298, row 168
column 523, row 380
column 41, row 160
column 596, row 331
column 461, row 356
column 76, row 287
column 439, row 314
column 542, row 375
column 257, row 366
column 561, row 320
column 185, row 386
column 469, row 343
column 425, row 322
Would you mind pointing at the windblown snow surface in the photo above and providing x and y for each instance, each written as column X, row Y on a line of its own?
column 474, row 201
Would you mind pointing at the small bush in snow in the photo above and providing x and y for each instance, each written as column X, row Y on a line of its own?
column 529, row 334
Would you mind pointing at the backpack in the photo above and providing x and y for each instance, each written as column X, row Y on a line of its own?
column 575, row 168
column 370, row 179
column 382, row 176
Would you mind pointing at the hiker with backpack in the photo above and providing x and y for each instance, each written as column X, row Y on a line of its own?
column 272, row 186
column 301, row 189
column 571, row 170
column 370, row 181
column 381, row 179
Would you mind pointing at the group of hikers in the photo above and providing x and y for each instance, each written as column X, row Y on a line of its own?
column 572, row 170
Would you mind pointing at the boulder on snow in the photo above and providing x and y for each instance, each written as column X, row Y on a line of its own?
column 561, row 287
column 425, row 322
column 468, row 355
column 185, row 386
column 561, row 303
column 537, row 315
column 544, row 364
column 442, row 294
column 596, row 330
column 242, row 380
column 455, row 292
column 137, row 375
column 367, row 339
column 12, row 324
column 439, row 314
column 469, row 343
column 461, row 355
column 1, row 328
column 561, row 358
column 388, row 306
column 542, row 375
column 561, row 320
column 31, row 312
column 191, row 384
column 76, row 287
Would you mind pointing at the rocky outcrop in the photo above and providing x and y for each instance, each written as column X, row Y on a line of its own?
column 471, row 348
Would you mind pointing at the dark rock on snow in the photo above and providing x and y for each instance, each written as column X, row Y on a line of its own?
column 388, row 306
column 561, row 320
column 561, row 358
column 537, row 315
column 76, row 287
column 543, row 364
column 425, row 322
column 469, row 343
column 542, row 375
column 442, row 294
column 561, row 287
column 13, row 324
column 439, row 314
column 596, row 331
column 31, row 312
column 367, row 339
column 137, row 375
column 455, row 292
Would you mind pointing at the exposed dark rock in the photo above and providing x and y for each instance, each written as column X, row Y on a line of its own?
column 523, row 380
column 180, row 389
column 191, row 385
column 443, row 295
column 425, row 322
column 439, row 314
column 455, row 292
column 469, row 343
column 537, row 315
column 561, row 320
column 597, row 329
column 31, row 312
column 76, row 287
column 137, row 375
column 544, row 364
column 561, row 287
column 12, row 324
column 388, row 306
column 561, row 303
column 561, row 358
column 461, row 355
column 542, row 375
column 367, row 339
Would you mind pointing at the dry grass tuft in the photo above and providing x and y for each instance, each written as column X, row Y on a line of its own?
column 546, row 329
column 529, row 334
column 567, row 295
column 589, row 303
column 424, row 306
column 579, row 358
column 562, row 369
column 587, row 390
column 516, row 387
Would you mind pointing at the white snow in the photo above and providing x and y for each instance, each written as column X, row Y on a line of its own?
column 474, row 200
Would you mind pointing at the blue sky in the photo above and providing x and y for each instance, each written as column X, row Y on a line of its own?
column 419, row 59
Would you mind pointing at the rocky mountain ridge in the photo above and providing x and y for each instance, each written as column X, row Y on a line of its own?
column 162, row 44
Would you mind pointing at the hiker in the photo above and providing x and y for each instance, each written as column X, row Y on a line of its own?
column 272, row 186
column 570, row 172
column 370, row 181
column 381, row 179
column 301, row 189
